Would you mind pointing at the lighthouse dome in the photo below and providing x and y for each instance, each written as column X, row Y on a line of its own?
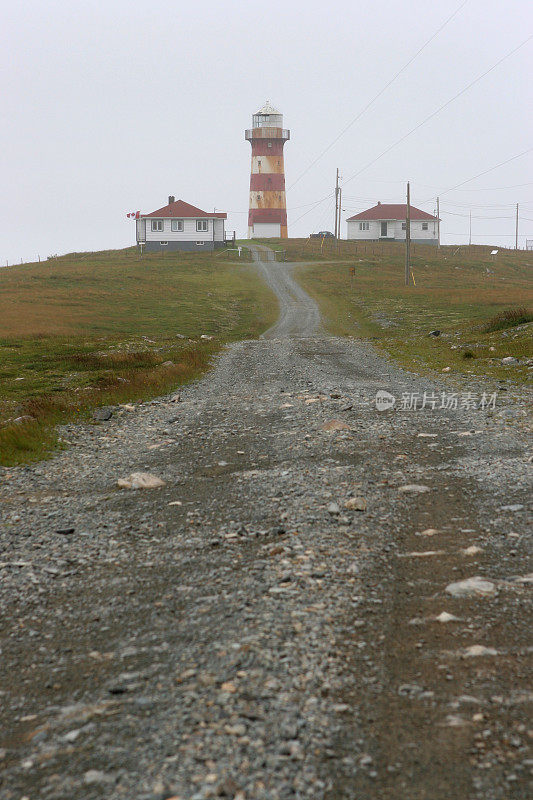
column 267, row 117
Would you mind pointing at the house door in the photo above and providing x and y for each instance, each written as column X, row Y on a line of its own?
column 383, row 229
column 141, row 230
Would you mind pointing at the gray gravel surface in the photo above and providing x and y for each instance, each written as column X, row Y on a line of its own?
column 268, row 623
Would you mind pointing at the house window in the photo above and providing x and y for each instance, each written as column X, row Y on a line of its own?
column 176, row 225
column 404, row 226
column 200, row 244
column 201, row 224
column 157, row 224
column 163, row 243
column 424, row 226
column 364, row 226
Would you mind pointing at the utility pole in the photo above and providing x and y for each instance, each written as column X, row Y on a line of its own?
column 438, row 224
column 408, row 238
column 336, row 202
column 516, row 234
column 340, row 214
column 470, row 234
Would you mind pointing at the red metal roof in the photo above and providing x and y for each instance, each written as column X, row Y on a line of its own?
column 392, row 211
column 179, row 208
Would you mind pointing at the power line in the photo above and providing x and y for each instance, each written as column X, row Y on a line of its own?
column 501, row 164
column 294, row 208
column 417, row 127
column 490, row 206
column 318, row 203
column 432, row 186
column 441, row 108
column 493, row 206
column 481, row 188
column 378, row 95
column 422, row 202
column 424, row 121
column 485, row 235
column 457, row 214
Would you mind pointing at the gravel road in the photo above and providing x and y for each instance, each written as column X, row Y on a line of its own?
column 274, row 621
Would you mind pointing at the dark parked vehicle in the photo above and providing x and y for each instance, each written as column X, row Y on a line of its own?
column 322, row 234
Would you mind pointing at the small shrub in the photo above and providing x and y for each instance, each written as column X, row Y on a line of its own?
column 469, row 354
column 114, row 359
column 519, row 315
column 27, row 441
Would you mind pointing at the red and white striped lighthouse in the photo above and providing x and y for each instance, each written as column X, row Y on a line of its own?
column 267, row 216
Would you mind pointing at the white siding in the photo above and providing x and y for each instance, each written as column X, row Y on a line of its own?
column 355, row 233
column 394, row 230
column 140, row 225
column 266, row 230
column 189, row 232
column 219, row 230
column 416, row 230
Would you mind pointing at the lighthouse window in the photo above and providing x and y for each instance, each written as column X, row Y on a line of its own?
column 201, row 224
column 176, row 225
column 269, row 144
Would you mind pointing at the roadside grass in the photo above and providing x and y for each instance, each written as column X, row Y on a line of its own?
column 92, row 329
column 459, row 292
column 246, row 253
column 509, row 318
column 274, row 244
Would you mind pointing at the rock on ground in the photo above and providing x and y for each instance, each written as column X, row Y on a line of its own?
column 240, row 632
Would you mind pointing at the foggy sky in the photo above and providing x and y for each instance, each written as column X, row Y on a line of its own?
column 110, row 107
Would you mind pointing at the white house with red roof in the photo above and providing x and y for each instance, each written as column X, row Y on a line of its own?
column 386, row 223
column 180, row 226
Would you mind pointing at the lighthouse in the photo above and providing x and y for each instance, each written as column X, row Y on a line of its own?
column 267, row 216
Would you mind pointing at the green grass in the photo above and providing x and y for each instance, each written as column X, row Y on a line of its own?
column 274, row 244
column 91, row 329
column 509, row 318
column 458, row 292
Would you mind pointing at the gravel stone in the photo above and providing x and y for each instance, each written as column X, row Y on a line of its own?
column 225, row 635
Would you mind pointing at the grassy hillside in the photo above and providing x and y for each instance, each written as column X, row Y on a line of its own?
column 89, row 329
column 458, row 292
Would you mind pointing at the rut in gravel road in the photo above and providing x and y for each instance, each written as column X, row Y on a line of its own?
column 273, row 622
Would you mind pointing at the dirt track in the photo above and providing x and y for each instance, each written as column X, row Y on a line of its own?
column 240, row 632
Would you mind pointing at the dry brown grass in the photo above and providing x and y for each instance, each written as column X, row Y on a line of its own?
column 458, row 290
column 96, row 328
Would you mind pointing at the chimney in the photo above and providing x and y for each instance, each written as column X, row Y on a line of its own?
column 171, row 199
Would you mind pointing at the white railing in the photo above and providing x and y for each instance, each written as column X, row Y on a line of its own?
column 267, row 133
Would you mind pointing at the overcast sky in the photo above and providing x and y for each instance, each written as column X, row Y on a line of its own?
column 110, row 107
